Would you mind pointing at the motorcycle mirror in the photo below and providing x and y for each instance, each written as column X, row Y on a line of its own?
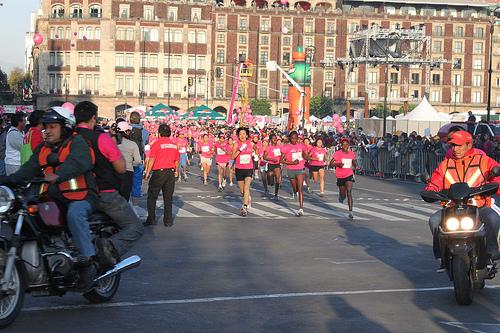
column 431, row 196
column 495, row 172
column 425, row 178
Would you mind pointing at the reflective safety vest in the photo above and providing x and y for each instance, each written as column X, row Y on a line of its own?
column 74, row 189
column 470, row 169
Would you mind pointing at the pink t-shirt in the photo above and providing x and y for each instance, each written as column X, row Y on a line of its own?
column 347, row 158
column 206, row 149
column 320, row 154
column 292, row 153
column 182, row 145
column 244, row 158
column 221, row 155
column 274, row 153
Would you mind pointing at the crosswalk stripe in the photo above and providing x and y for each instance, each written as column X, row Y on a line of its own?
column 180, row 212
column 212, row 209
column 280, row 208
column 397, row 211
column 251, row 211
column 366, row 212
column 420, row 208
column 328, row 211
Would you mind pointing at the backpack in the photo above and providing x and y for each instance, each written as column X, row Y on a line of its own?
column 26, row 151
column 136, row 136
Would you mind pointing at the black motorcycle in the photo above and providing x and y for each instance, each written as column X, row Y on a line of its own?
column 37, row 255
column 461, row 237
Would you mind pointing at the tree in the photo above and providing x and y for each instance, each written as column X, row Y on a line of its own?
column 4, row 85
column 16, row 83
column 260, row 107
column 321, row 106
column 410, row 108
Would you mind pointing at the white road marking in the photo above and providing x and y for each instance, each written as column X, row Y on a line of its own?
column 180, row 212
column 346, row 262
column 287, row 210
column 367, row 212
column 251, row 211
column 212, row 209
column 398, row 211
column 420, row 208
column 242, row 298
column 327, row 211
column 467, row 326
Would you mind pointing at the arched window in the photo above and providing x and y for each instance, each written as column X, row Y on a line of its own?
column 95, row 11
column 60, row 33
column 469, row 13
column 57, row 11
column 76, row 11
column 391, row 10
column 52, row 34
column 408, row 11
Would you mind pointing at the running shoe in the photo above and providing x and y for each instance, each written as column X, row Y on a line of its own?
column 350, row 216
column 309, row 190
column 244, row 211
column 219, row 189
column 341, row 199
column 205, row 183
column 185, row 178
column 231, row 184
column 275, row 197
column 293, row 195
column 223, row 183
column 322, row 194
column 300, row 212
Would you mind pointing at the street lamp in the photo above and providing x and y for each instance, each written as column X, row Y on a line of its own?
column 490, row 69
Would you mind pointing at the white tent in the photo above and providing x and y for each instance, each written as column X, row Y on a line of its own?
column 424, row 112
column 374, row 117
column 313, row 118
column 390, row 118
column 327, row 119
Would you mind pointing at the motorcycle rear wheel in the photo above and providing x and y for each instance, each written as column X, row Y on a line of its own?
column 10, row 305
column 104, row 291
column 462, row 282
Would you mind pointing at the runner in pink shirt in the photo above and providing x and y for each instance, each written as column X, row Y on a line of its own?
column 294, row 155
column 222, row 151
column 317, row 157
column 206, row 151
column 183, row 146
column 344, row 160
column 242, row 155
column 230, row 163
column 263, row 163
column 272, row 154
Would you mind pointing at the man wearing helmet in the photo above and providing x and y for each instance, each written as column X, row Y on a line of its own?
column 66, row 162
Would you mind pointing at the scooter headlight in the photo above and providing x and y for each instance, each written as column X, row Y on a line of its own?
column 467, row 223
column 6, row 199
column 452, row 224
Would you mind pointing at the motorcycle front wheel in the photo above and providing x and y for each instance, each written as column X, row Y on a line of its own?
column 104, row 291
column 462, row 282
column 11, row 303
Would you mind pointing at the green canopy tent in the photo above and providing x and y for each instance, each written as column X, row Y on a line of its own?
column 160, row 111
column 202, row 112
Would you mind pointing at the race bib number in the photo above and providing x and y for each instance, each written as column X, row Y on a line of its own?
column 297, row 156
column 347, row 163
column 320, row 157
column 245, row 159
column 205, row 149
column 182, row 150
column 220, row 151
column 276, row 152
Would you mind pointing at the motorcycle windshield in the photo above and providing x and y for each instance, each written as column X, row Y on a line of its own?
column 459, row 192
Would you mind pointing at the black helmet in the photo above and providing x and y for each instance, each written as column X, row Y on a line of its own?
column 57, row 114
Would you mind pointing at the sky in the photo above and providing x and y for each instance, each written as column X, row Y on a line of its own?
column 14, row 23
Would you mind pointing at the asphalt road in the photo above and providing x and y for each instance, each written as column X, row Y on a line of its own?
column 214, row 271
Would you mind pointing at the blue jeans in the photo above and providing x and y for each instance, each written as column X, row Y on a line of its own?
column 78, row 223
column 137, row 181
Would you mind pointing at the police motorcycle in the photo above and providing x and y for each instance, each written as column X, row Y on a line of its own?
column 462, row 237
column 37, row 255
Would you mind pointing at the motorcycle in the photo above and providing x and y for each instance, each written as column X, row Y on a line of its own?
column 37, row 255
column 461, row 237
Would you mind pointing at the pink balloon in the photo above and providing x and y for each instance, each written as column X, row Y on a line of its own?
column 68, row 106
column 37, row 38
column 283, row 2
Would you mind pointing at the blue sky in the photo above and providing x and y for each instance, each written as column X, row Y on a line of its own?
column 14, row 23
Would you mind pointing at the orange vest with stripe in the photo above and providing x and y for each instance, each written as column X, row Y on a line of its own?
column 74, row 189
column 470, row 169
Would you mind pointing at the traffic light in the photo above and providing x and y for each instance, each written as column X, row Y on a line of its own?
column 219, row 72
column 190, row 81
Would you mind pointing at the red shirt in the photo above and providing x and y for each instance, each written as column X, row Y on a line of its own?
column 165, row 154
column 36, row 137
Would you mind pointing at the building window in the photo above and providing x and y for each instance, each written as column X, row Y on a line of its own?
column 219, row 91
column 263, row 92
column 498, row 81
column 436, row 79
column 242, row 56
column 330, row 42
column 195, row 14
column 457, row 63
column 438, row 31
column 202, row 37
column 97, row 59
column 191, row 62
column 477, row 64
column 89, row 58
column 52, row 59
column 435, row 96
column 351, row 78
column 478, row 48
column 264, row 57
column 153, row 61
column 457, row 79
column 415, row 78
column 150, row 35
column 97, row 33
column 328, row 76
column 148, row 13
column 172, row 13
column 57, row 11
column 372, row 77
column 153, row 85
column 459, row 31
column 437, row 46
column 287, row 41
column 89, row 33
column 352, row 27
column 458, row 47
column 308, row 41
column 76, row 11
column 447, row 12
column 286, row 58
column 243, row 23
column 309, row 26
column 96, row 84
column 330, row 27
column 264, row 25
column 476, row 80
column 118, row 84
column 455, row 96
column 476, row 97
column 173, row 36
column 428, row 11
column 264, row 40
column 415, row 94
column 221, row 22
column 329, row 59
column 176, row 85
column 221, row 38
column 95, row 11
column 220, row 56
column 479, row 32
column 124, row 11
column 243, row 39
column 81, row 58
column 394, row 78
column 129, row 60
column 408, row 11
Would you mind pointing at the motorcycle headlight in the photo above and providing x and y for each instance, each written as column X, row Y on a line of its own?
column 6, row 199
column 467, row 223
column 452, row 224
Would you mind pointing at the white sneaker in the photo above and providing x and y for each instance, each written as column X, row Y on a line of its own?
column 223, row 183
column 300, row 212
column 231, row 184
column 350, row 216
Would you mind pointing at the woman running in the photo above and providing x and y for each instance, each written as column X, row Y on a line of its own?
column 294, row 156
column 317, row 157
column 230, row 163
column 242, row 154
column 344, row 160
column 183, row 146
column 263, row 163
column 206, row 150
column 222, row 152
column 272, row 154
